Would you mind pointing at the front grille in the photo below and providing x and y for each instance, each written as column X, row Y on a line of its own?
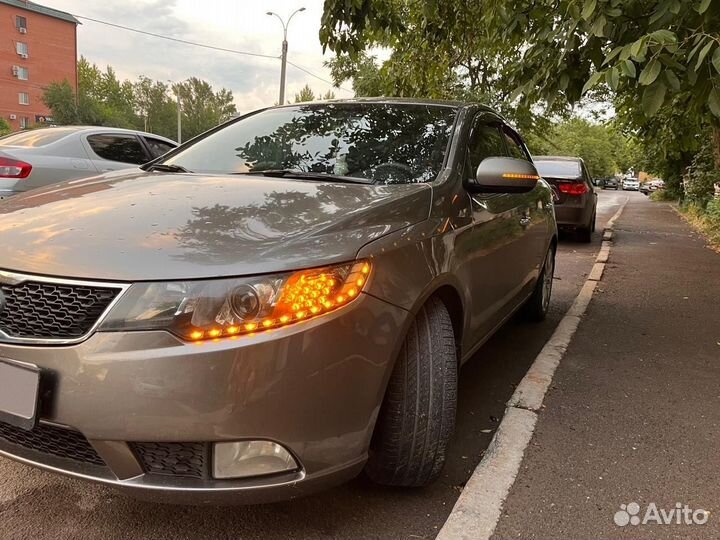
column 174, row 459
column 59, row 442
column 38, row 310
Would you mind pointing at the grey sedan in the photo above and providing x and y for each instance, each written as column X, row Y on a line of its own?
column 575, row 196
column 272, row 307
column 37, row 158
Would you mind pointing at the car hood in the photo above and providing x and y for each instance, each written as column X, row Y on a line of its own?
column 134, row 226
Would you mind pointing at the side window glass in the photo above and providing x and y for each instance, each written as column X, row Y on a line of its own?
column 122, row 148
column 485, row 141
column 514, row 148
column 158, row 147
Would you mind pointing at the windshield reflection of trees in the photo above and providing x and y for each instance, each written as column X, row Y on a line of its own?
column 385, row 143
column 215, row 233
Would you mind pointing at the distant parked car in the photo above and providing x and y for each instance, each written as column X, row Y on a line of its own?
column 609, row 183
column 631, row 184
column 32, row 159
column 575, row 197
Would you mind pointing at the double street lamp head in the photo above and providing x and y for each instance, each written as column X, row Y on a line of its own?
column 284, row 49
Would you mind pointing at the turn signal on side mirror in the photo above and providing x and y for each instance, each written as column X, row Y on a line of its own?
column 516, row 176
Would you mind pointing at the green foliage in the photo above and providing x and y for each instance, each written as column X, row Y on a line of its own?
column 306, row 94
column 701, row 176
column 604, row 150
column 155, row 107
column 712, row 211
column 60, row 98
column 202, row 107
column 658, row 60
column 706, row 220
column 662, row 195
column 363, row 70
column 4, row 127
column 105, row 100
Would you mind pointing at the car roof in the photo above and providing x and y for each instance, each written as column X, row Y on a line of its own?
column 395, row 100
column 557, row 158
column 71, row 130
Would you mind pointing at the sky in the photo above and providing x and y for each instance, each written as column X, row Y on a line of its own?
column 233, row 24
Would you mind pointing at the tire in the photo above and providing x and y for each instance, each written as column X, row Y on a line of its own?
column 417, row 417
column 537, row 306
column 584, row 234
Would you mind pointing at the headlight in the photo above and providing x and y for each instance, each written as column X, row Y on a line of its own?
column 198, row 310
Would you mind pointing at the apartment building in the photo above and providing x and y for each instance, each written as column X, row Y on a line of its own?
column 38, row 46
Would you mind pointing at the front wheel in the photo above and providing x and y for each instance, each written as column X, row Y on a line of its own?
column 417, row 417
column 537, row 306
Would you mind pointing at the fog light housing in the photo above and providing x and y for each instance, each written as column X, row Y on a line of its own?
column 250, row 458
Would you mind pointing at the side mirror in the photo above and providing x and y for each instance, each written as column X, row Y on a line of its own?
column 504, row 175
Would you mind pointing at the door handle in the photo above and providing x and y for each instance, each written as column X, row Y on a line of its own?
column 525, row 220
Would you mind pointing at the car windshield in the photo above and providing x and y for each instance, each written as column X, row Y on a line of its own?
column 380, row 142
column 39, row 137
column 568, row 169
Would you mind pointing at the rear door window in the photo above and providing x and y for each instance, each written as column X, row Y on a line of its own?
column 158, row 147
column 485, row 141
column 118, row 147
column 514, row 146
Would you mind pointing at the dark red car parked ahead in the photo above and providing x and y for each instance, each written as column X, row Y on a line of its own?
column 575, row 196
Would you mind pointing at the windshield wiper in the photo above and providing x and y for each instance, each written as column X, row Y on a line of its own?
column 162, row 167
column 290, row 173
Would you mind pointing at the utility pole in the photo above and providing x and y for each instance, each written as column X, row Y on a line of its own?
column 283, row 66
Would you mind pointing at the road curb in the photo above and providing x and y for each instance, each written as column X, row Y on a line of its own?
column 471, row 517
column 479, row 507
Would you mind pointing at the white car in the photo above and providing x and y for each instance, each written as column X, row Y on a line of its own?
column 631, row 184
column 32, row 159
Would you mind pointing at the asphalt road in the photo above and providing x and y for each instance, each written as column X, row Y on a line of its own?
column 35, row 505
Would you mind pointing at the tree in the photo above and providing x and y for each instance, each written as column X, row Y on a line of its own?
column 653, row 52
column 59, row 97
column 202, row 107
column 598, row 145
column 4, row 127
column 364, row 72
column 105, row 100
column 155, row 107
column 306, row 94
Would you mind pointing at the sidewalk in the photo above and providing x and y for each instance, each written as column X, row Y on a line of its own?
column 634, row 411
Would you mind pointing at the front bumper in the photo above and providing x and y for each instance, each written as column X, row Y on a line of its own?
column 315, row 388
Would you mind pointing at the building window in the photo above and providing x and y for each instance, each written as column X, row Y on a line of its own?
column 21, row 48
column 21, row 23
column 22, row 73
column 24, row 122
column 24, row 98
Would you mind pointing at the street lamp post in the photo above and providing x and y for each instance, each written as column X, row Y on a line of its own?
column 283, row 66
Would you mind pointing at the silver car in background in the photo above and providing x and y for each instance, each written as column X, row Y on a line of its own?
column 37, row 158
